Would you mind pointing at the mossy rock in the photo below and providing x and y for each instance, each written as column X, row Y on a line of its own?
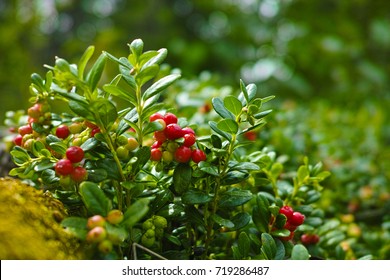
column 29, row 225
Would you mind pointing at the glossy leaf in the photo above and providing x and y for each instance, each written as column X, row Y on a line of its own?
column 94, row 199
column 160, row 85
column 232, row 104
column 118, row 92
column 96, row 72
column 220, row 108
column 215, row 128
column 228, row 125
column 268, row 247
column 260, row 213
column 299, row 252
column 222, row 222
column 182, row 178
column 84, row 60
column 234, row 197
column 244, row 244
column 194, row 196
column 135, row 212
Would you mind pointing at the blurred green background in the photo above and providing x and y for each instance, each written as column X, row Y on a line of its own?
column 327, row 62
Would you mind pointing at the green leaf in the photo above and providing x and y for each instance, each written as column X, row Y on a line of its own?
column 281, row 233
column 182, row 176
column 303, row 173
column 118, row 92
column 152, row 127
column 109, row 165
column 136, row 47
column 228, row 125
column 261, row 214
column 220, row 108
column 233, row 104
column 234, row 197
column 240, row 220
column 105, row 111
column 59, row 147
column 97, row 175
column 84, row 60
column 94, row 198
column 96, row 72
column 262, row 114
column 208, row 168
column 76, row 225
column 215, row 128
column 147, row 74
column 82, row 109
column 44, row 164
column 245, row 166
column 19, row 155
column 280, row 250
column 157, row 58
column 268, row 247
column 135, row 212
column 161, row 199
column 49, row 177
column 244, row 93
column 195, row 196
column 90, row 144
column 131, row 116
column 299, row 252
column 221, row 221
column 160, row 85
column 143, row 156
column 244, row 244
column 234, row 177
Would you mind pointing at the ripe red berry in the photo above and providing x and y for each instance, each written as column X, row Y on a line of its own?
column 155, row 154
column 173, row 131
column 159, row 136
column 62, row 131
column 170, row 118
column 95, row 131
column 79, row 174
column 297, row 219
column 183, row 154
column 188, row 130
column 290, row 226
column 18, row 140
column 156, row 116
column 287, row 211
column 309, row 239
column 63, row 167
column 25, row 129
column 198, row 156
column 189, row 139
column 75, row 154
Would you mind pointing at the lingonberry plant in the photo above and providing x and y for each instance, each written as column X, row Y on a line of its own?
column 141, row 182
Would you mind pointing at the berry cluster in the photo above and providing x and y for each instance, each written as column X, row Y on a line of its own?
column 69, row 169
column 294, row 220
column 153, row 229
column 125, row 145
column 173, row 142
column 38, row 114
column 98, row 233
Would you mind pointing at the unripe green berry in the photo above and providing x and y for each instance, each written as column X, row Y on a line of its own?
column 105, row 246
column 121, row 140
column 147, row 242
column 148, row 224
column 160, row 222
column 122, row 152
column 159, row 232
column 132, row 144
column 150, row 233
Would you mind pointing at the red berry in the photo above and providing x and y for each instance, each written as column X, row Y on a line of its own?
column 155, row 154
column 75, row 154
column 79, row 174
column 156, row 145
column 290, row 226
column 18, row 140
column 95, row 131
column 183, row 154
column 287, row 211
column 250, row 135
column 159, row 136
column 90, row 125
column 188, row 130
column 62, row 131
column 173, row 131
column 156, row 116
column 170, row 118
column 189, row 140
column 63, row 167
column 198, row 156
column 25, row 129
column 297, row 219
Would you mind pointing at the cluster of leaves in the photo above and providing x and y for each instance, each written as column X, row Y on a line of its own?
column 225, row 207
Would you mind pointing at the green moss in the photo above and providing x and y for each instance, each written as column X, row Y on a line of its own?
column 29, row 225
